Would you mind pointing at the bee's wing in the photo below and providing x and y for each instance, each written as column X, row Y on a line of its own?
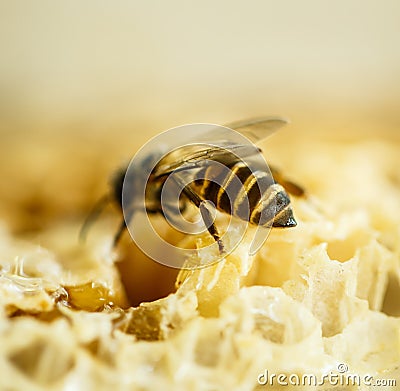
column 257, row 129
column 192, row 157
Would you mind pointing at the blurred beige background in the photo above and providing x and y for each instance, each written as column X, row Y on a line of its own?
column 145, row 66
column 83, row 84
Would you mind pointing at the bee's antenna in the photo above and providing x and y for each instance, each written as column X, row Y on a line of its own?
column 92, row 216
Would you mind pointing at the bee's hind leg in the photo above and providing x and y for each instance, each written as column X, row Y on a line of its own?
column 206, row 209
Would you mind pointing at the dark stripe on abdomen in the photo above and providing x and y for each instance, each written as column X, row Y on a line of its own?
column 231, row 187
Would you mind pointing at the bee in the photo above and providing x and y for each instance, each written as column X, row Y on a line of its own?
column 209, row 187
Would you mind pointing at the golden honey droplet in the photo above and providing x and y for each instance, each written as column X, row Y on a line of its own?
column 90, row 296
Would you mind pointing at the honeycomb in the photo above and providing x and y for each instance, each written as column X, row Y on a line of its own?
column 317, row 299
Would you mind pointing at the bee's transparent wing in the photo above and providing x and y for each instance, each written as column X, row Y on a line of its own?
column 196, row 156
column 221, row 145
column 257, row 129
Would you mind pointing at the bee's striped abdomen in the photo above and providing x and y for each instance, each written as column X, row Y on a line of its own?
column 208, row 185
column 231, row 187
column 250, row 196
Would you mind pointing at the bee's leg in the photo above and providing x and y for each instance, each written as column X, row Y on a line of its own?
column 122, row 227
column 291, row 187
column 206, row 214
column 119, row 233
column 92, row 217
